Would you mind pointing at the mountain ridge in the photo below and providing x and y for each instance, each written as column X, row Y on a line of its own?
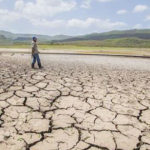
column 142, row 34
column 115, row 38
column 18, row 36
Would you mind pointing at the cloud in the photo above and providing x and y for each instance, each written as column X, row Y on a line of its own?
column 40, row 14
column 80, row 24
column 148, row 18
column 140, row 8
column 35, row 10
column 8, row 16
column 19, row 5
column 104, row 0
column 86, row 4
column 48, row 23
column 94, row 22
column 43, row 8
column 137, row 26
column 121, row 12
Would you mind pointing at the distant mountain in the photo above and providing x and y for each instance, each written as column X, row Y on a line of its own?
column 142, row 34
column 26, row 38
column 7, row 34
column 126, row 38
column 121, row 42
column 4, row 40
column 61, row 37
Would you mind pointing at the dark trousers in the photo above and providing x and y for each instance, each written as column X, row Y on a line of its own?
column 36, row 58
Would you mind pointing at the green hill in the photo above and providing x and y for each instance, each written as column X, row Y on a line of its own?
column 26, row 38
column 142, row 34
column 121, row 42
column 5, row 41
column 126, row 38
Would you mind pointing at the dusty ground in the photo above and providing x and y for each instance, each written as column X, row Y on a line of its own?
column 75, row 103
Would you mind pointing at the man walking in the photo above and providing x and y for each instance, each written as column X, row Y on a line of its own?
column 35, row 53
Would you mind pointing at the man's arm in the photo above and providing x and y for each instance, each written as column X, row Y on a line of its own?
column 33, row 48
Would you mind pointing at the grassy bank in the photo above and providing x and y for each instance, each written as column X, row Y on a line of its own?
column 121, row 42
column 85, row 49
column 71, row 47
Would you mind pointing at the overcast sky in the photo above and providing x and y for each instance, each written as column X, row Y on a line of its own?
column 73, row 17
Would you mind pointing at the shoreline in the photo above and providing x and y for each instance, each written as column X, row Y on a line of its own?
column 69, row 52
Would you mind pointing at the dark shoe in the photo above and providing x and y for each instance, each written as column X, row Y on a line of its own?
column 40, row 66
column 32, row 66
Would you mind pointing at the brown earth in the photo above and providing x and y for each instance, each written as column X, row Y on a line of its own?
column 74, row 103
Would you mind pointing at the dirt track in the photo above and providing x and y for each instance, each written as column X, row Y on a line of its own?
column 74, row 103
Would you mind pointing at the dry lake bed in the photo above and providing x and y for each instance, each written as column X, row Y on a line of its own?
column 75, row 103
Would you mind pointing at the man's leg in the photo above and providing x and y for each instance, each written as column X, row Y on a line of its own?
column 34, row 61
column 38, row 60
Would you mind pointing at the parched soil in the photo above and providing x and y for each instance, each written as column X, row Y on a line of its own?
column 74, row 103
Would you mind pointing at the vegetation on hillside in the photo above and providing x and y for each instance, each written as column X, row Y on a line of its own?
column 122, row 42
column 127, row 38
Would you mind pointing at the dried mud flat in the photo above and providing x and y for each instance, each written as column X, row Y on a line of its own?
column 74, row 103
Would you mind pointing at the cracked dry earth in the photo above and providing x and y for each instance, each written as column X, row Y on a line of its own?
column 74, row 104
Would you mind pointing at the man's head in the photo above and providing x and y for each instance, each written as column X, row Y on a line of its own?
column 34, row 39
